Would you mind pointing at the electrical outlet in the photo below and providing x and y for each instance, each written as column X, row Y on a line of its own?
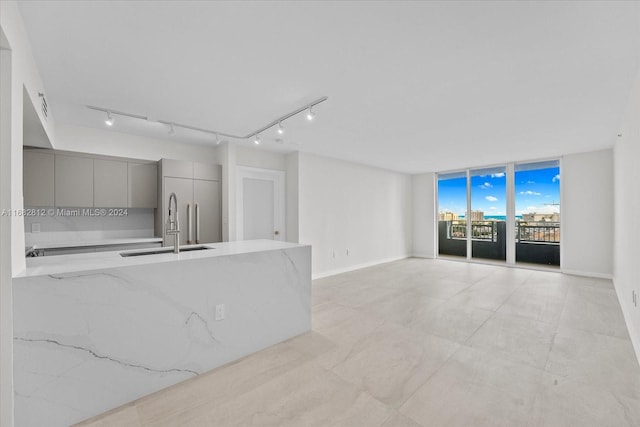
column 220, row 312
column 333, row 255
column 35, row 227
column 347, row 252
column 634, row 297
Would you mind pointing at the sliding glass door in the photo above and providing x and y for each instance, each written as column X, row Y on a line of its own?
column 489, row 213
column 537, row 197
column 503, row 213
column 452, row 212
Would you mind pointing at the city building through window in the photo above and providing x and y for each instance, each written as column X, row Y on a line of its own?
column 507, row 213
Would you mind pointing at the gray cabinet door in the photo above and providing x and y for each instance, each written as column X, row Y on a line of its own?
column 73, row 181
column 109, row 184
column 38, row 179
column 177, row 168
column 183, row 188
column 143, row 185
column 206, row 196
column 206, row 171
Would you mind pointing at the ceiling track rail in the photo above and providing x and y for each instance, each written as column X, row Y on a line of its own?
column 271, row 124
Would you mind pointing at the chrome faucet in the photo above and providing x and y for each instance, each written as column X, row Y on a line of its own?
column 173, row 226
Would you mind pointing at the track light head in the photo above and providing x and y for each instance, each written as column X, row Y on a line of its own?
column 257, row 140
column 109, row 121
column 280, row 128
column 172, row 131
column 310, row 114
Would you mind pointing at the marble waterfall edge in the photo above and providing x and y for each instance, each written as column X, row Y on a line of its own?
column 86, row 342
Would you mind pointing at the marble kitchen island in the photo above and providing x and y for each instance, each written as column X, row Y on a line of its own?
column 95, row 331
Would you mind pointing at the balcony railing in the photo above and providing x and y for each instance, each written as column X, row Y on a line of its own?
column 536, row 242
column 526, row 231
column 537, row 232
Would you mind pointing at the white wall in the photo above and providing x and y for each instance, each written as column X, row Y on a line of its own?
column 293, row 231
column 424, row 216
column 24, row 78
column 20, row 75
column 349, row 207
column 6, row 290
column 257, row 158
column 227, row 154
column 587, row 213
column 112, row 143
column 626, row 265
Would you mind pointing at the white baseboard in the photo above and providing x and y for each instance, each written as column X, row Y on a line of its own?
column 356, row 267
column 633, row 334
column 423, row 255
column 587, row 274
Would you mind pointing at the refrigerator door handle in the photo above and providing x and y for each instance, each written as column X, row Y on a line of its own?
column 197, row 223
column 189, row 241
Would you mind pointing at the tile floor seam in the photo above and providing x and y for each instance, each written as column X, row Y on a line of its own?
column 429, row 378
column 555, row 332
column 494, row 312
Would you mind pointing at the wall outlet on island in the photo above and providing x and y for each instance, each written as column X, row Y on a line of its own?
column 220, row 312
column 35, row 227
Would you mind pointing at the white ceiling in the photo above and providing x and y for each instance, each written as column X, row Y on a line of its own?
column 412, row 86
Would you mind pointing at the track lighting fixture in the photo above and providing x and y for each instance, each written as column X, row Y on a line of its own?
column 256, row 133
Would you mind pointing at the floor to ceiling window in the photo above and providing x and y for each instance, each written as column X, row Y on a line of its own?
column 489, row 213
column 505, row 213
column 452, row 224
column 537, row 198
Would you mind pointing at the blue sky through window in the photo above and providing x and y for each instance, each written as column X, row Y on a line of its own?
column 537, row 190
column 489, row 192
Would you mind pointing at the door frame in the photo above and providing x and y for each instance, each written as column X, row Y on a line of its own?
column 279, row 198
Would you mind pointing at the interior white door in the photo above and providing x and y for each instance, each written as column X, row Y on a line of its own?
column 258, row 221
column 261, row 210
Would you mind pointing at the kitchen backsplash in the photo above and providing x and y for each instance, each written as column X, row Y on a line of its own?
column 89, row 224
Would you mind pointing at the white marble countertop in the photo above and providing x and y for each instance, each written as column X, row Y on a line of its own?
column 40, row 266
column 101, row 242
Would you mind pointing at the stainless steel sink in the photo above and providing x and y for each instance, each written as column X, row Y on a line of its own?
column 164, row 251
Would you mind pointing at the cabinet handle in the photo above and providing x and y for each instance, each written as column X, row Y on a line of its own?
column 197, row 223
column 189, row 224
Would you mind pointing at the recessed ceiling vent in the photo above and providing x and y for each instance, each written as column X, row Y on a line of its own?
column 45, row 111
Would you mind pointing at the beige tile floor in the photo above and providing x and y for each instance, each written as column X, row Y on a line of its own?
column 426, row 343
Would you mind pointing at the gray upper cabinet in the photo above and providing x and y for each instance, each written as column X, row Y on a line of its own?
column 81, row 180
column 177, row 168
column 143, row 185
column 206, row 171
column 109, row 183
column 73, row 181
column 38, row 178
